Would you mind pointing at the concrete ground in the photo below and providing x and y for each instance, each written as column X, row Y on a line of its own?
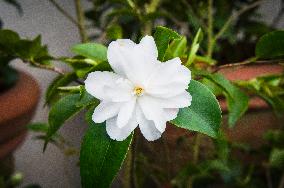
column 51, row 169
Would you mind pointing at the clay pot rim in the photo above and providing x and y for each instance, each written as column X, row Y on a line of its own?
column 254, row 70
column 12, row 94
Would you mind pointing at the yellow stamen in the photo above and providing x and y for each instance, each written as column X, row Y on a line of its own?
column 138, row 91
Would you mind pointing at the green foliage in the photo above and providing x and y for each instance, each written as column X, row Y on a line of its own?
column 163, row 36
column 12, row 47
column 204, row 113
column 176, row 48
column 38, row 127
column 52, row 93
column 137, row 18
column 64, row 109
column 100, row 156
column 237, row 100
column 270, row 88
column 94, row 51
column 271, row 45
column 276, row 158
column 194, row 47
column 114, row 32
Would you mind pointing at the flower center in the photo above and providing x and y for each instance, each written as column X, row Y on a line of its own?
column 138, row 91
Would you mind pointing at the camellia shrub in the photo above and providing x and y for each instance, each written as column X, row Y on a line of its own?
column 131, row 85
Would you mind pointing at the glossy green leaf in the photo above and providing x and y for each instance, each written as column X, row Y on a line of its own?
column 163, row 36
column 176, row 48
column 94, row 51
column 61, row 111
column 100, row 156
column 52, row 93
column 271, row 45
column 237, row 100
column 204, row 113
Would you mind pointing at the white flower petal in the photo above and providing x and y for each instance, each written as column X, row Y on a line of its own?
column 125, row 113
column 96, row 81
column 168, row 79
column 121, row 91
column 171, row 113
column 179, row 101
column 148, row 48
column 147, row 127
column 105, row 110
column 152, row 110
column 134, row 61
column 117, row 54
column 117, row 133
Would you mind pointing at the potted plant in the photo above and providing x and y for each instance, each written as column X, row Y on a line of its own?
column 19, row 96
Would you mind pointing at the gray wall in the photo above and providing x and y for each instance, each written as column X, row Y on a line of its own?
column 51, row 169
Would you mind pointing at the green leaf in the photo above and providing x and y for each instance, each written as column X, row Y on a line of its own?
column 277, row 158
column 163, row 37
column 100, row 156
column 38, row 127
column 204, row 113
column 114, row 32
column 52, row 93
column 176, row 48
column 237, row 100
column 271, row 45
column 61, row 111
column 194, row 47
column 94, row 51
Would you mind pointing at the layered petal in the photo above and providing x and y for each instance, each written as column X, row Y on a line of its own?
column 117, row 133
column 168, row 79
column 105, row 110
column 171, row 113
column 147, row 127
column 125, row 113
column 120, row 91
column 153, row 110
column 134, row 61
column 97, row 81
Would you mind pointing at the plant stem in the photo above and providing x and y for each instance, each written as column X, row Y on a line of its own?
column 127, row 170
column 210, row 40
column 195, row 156
column 196, row 148
column 281, row 183
column 53, row 69
column 63, row 12
column 248, row 61
column 234, row 16
column 252, row 60
column 81, row 21
column 47, row 67
column 133, row 182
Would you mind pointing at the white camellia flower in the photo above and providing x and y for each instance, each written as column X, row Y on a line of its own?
column 141, row 91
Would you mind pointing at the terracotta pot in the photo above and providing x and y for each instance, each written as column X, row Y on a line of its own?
column 260, row 117
column 17, row 106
